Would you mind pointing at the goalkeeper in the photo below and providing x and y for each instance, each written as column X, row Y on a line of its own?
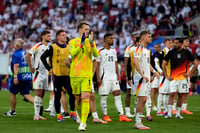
column 82, row 49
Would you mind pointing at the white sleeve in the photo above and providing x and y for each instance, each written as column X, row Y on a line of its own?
column 115, row 56
column 157, row 66
column 138, row 53
column 98, row 59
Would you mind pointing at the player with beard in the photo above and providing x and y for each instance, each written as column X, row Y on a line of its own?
column 40, row 81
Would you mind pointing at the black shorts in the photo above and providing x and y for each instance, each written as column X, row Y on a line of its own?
column 62, row 82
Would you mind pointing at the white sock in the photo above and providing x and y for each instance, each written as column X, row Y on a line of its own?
column 95, row 115
column 118, row 104
column 104, row 105
column 148, row 105
column 159, row 102
column 165, row 102
column 61, row 107
column 52, row 106
column 127, row 109
column 135, row 104
column 184, row 106
column 178, row 111
column 51, row 103
column 138, row 118
column 174, row 105
column 170, row 110
column 37, row 104
column 77, row 116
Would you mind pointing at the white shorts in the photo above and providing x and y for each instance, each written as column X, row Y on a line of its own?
column 143, row 88
column 40, row 81
column 164, row 85
column 179, row 85
column 155, row 83
column 108, row 86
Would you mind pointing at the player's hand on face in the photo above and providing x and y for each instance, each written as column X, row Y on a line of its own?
column 83, row 38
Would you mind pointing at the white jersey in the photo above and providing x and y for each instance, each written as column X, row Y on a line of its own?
column 127, row 51
column 143, row 54
column 136, row 74
column 37, row 50
column 107, row 68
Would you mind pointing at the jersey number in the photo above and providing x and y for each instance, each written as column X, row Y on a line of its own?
column 110, row 58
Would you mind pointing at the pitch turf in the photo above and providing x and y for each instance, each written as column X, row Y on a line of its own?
column 23, row 122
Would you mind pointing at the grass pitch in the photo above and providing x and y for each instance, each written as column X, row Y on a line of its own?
column 23, row 122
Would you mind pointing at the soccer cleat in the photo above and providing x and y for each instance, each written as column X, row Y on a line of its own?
column 97, row 120
column 186, row 112
column 73, row 116
column 174, row 111
column 47, row 110
column 10, row 113
column 82, row 127
column 52, row 114
column 65, row 115
column 148, row 118
column 129, row 115
column 106, row 118
column 42, row 118
column 60, row 118
column 154, row 108
column 36, row 117
column 167, row 117
column 179, row 117
column 140, row 126
column 124, row 118
column 160, row 113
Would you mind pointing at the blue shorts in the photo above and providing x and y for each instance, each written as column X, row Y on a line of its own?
column 23, row 87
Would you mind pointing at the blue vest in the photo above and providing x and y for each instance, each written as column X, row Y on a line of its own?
column 19, row 57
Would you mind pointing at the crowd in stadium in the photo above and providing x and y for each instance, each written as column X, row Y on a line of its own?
column 26, row 19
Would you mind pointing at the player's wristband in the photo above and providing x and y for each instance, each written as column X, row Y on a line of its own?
column 15, row 76
column 80, row 45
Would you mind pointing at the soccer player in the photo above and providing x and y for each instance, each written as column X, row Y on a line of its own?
column 179, row 59
column 95, row 116
column 143, row 67
column 157, row 59
column 57, row 54
column 82, row 49
column 163, row 91
column 186, row 43
column 40, row 81
column 21, row 77
column 108, row 78
column 128, row 67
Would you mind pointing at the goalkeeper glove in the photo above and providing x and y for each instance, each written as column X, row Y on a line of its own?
column 83, row 39
column 91, row 37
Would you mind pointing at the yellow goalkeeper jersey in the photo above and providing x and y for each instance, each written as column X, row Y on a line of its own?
column 81, row 65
